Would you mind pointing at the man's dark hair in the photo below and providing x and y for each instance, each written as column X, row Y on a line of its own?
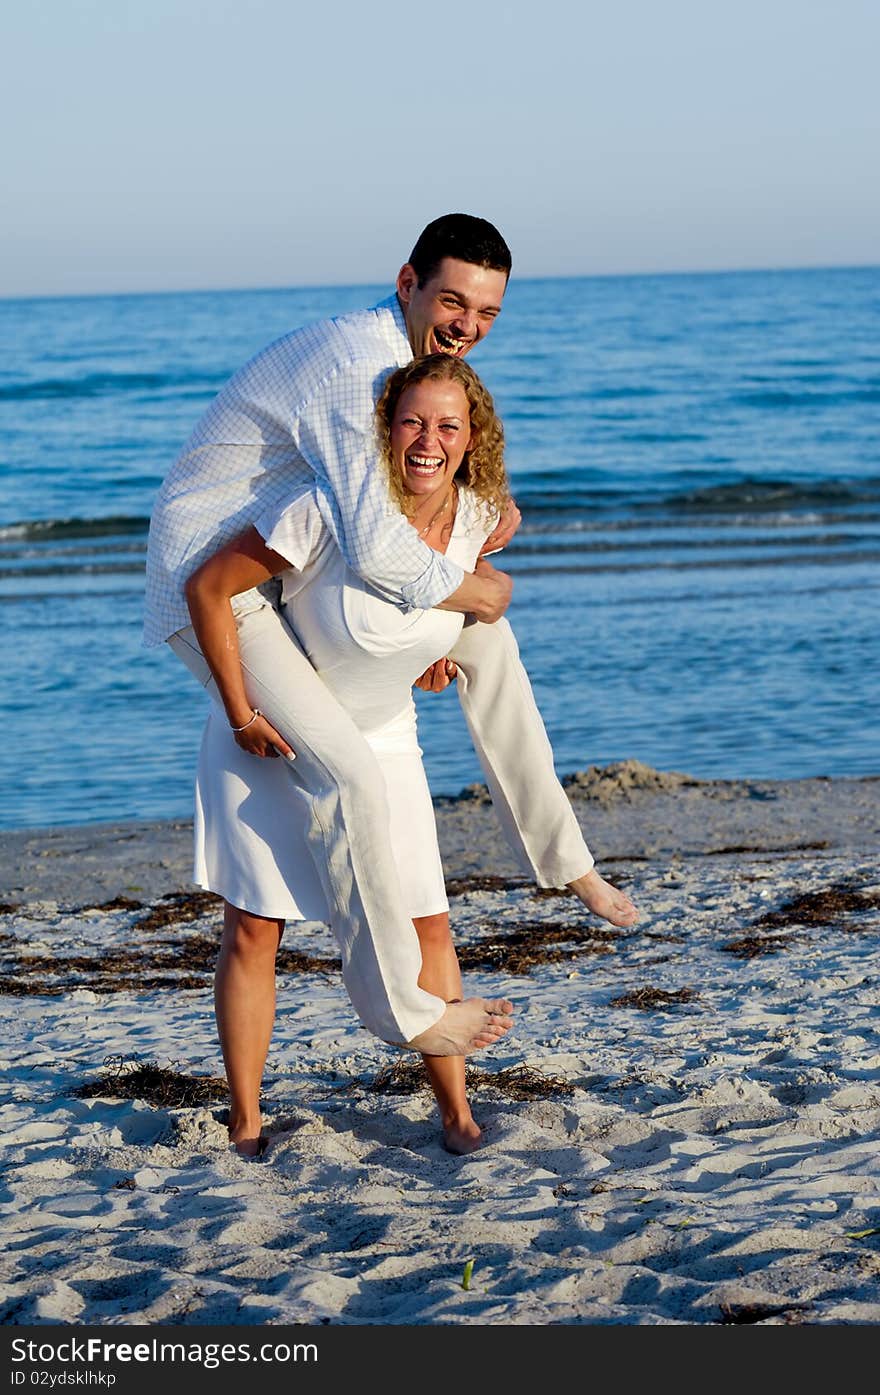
column 464, row 237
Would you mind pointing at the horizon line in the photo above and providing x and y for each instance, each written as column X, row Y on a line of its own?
column 24, row 296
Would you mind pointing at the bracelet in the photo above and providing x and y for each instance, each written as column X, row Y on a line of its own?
column 257, row 713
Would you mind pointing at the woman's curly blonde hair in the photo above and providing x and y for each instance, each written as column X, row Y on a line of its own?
column 482, row 469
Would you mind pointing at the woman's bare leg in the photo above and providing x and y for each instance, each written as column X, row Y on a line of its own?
column 441, row 975
column 244, row 1005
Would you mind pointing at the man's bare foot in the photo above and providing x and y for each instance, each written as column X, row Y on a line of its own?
column 605, row 900
column 465, row 1028
column 461, row 1134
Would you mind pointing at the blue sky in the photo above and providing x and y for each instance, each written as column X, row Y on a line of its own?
column 165, row 144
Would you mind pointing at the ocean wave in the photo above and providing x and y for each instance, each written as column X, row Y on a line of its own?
column 608, row 394
column 608, row 540
column 770, row 494
column 52, row 529
column 780, row 398
column 84, row 568
column 600, row 507
column 751, row 496
column 827, row 557
column 533, row 550
column 101, row 384
column 710, row 525
column 660, row 438
column 47, row 594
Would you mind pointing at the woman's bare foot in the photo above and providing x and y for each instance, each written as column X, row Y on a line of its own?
column 246, row 1137
column 461, row 1134
column 465, row 1028
column 605, row 900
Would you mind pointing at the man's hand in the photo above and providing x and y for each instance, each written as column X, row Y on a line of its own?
column 507, row 526
column 438, row 676
column 484, row 593
column 498, row 589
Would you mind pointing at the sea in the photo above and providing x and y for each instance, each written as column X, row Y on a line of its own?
column 696, row 585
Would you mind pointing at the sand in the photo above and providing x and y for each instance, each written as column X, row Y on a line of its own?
column 682, row 1128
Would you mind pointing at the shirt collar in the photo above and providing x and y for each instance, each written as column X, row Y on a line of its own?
column 395, row 323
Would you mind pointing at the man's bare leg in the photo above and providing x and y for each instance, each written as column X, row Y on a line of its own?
column 441, row 975
column 604, row 900
column 244, row 1005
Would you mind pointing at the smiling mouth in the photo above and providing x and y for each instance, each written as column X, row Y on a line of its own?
column 424, row 465
column 448, row 344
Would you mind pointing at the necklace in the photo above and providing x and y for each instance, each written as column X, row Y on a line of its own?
column 452, row 494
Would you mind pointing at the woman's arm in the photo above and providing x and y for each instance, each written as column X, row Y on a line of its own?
column 243, row 563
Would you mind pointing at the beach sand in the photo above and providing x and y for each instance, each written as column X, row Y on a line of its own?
column 682, row 1127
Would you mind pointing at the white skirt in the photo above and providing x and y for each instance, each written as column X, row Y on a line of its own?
column 252, row 819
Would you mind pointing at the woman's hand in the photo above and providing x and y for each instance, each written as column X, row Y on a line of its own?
column 259, row 738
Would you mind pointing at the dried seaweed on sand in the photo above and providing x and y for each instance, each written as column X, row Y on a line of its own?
column 823, row 907
column 534, row 942
column 520, row 1082
column 165, row 1086
column 750, row 946
column 646, row 999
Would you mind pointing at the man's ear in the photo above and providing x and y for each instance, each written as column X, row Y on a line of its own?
column 407, row 282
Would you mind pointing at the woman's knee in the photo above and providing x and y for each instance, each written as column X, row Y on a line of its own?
column 245, row 933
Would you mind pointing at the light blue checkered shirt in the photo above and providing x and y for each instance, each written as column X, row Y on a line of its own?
column 300, row 412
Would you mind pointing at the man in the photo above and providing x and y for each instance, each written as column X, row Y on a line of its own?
column 299, row 414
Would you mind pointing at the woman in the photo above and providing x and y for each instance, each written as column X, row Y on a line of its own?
column 442, row 446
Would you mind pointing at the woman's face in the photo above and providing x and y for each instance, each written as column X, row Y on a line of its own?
column 430, row 433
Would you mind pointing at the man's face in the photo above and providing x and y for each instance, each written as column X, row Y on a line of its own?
column 455, row 308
